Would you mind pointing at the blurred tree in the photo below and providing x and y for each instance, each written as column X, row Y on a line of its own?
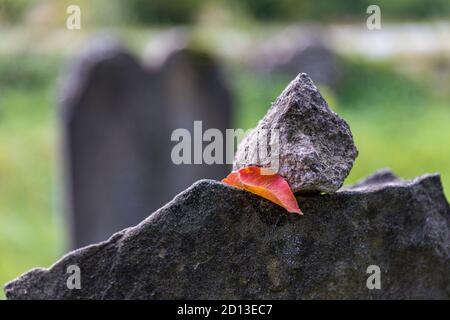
column 164, row 11
column 415, row 9
column 11, row 11
column 154, row 12
column 326, row 10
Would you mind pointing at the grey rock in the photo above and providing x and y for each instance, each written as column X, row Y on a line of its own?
column 217, row 242
column 315, row 146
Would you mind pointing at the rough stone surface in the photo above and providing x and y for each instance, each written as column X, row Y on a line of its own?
column 217, row 242
column 316, row 148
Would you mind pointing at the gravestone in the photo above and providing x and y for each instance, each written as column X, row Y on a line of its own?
column 315, row 59
column 117, row 120
column 218, row 242
column 194, row 90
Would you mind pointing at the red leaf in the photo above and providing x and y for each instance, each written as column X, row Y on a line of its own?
column 270, row 186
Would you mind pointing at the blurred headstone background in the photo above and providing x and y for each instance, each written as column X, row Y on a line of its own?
column 79, row 108
column 117, row 121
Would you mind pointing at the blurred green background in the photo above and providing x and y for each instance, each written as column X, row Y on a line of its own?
column 398, row 106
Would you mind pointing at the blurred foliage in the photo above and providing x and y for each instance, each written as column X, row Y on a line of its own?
column 12, row 10
column 255, row 93
column 397, row 122
column 27, row 70
column 165, row 12
column 30, row 234
column 366, row 83
column 326, row 10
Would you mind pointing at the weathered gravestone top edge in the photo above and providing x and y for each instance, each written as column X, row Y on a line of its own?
column 202, row 227
column 73, row 83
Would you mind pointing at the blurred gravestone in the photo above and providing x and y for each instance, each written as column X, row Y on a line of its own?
column 194, row 90
column 313, row 58
column 117, row 121
column 317, row 61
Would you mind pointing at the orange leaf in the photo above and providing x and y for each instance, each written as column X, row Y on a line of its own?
column 270, row 186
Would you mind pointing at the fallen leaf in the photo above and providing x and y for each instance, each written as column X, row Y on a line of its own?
column 269, row 185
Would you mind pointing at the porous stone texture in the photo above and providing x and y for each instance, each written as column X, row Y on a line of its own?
column 217, row 242
column 315, row 146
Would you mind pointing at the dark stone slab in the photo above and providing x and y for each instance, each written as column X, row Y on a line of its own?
column 217, row 242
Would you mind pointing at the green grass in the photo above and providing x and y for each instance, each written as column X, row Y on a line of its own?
column 397, row 122
column 29, row 235
column 410, row 144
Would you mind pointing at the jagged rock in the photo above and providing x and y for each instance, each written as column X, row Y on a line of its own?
column 316, row 148
column 217, row 242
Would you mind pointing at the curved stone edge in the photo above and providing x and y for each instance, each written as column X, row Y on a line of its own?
column 38, row 282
